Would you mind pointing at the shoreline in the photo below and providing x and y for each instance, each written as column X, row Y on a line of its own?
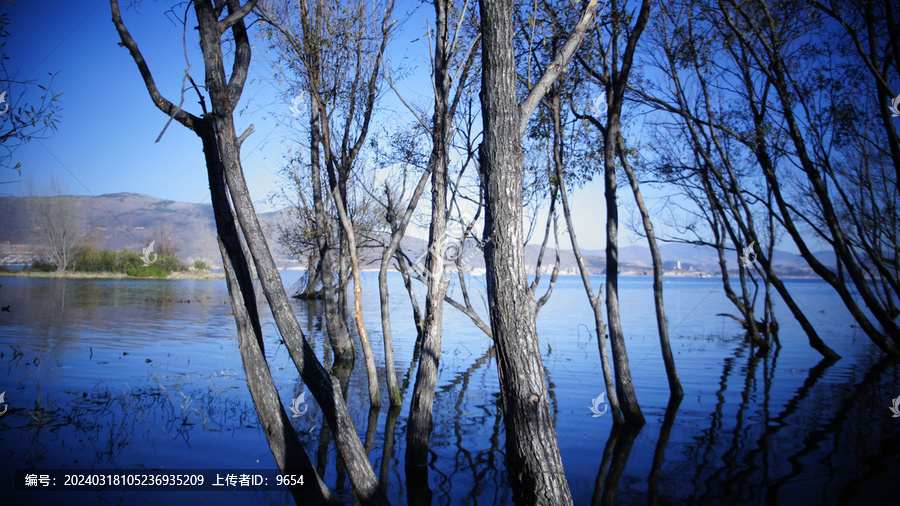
column 199, row 275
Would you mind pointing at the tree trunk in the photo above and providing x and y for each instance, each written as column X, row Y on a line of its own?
column 371, row 371
column 624, row 386
column 675, row 390
column 338, row 334
column 532, row 452
column 397, row 233
column 216, row 129
column 594, row 300
column 420, row 410
column 280, row 434
column 407, row 283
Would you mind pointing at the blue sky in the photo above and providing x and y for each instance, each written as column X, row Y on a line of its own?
column 107, row 130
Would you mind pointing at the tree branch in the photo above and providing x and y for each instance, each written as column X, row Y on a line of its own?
column 185, row 118
column 556, row 67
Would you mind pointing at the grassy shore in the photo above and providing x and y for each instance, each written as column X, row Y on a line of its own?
column 109, row 275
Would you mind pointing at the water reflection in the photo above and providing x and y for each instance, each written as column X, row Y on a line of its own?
column 615, row 456
column 98, row 377
column 768, row 447
column 659, row 453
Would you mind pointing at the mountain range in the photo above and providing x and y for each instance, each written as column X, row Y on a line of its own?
column 132, row 220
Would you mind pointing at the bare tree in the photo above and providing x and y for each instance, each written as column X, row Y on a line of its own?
column 675, row 390
column 767, row 34
column 340, row 78
column 725, row 192
column 446, row 50
column 398, row 220
column 610, row 65
column 236, row 219
column 57, row 219
column 825, row 166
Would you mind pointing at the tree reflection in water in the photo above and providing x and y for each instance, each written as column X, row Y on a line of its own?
column 760, row 443
column 760, row 430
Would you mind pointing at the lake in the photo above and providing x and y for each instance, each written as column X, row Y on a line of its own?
column 146, row 374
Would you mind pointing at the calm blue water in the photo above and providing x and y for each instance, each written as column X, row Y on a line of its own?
column 127, row 374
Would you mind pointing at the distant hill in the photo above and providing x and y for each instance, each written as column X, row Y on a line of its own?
column 120, row 220
column 131, row 221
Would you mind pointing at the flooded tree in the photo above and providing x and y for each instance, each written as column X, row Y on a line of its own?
column 568, row 132
column 398, row 220
column 447, row 47
column 611, row 67
column 337, row 57
column 236, row 220
column 828, row 175
column 532, row 452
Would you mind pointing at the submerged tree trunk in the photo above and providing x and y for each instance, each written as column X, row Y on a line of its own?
column 675, row 390
column 217, row 131
column 593, row 299
column 397, row 232
column 631, row 410
column 338, row 333
column 420, row 410
column 421, row 406
column 616, row 85
column 371, row 372
column 532, row 451
column 282, row 438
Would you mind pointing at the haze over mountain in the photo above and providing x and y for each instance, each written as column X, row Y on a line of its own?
column 132, row 220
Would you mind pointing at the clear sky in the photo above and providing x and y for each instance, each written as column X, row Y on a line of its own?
column 108, row 126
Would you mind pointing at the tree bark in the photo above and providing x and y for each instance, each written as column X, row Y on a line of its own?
column 532, row 452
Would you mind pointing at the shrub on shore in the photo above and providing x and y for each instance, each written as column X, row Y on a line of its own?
column 125, row 261
column 42, row 266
